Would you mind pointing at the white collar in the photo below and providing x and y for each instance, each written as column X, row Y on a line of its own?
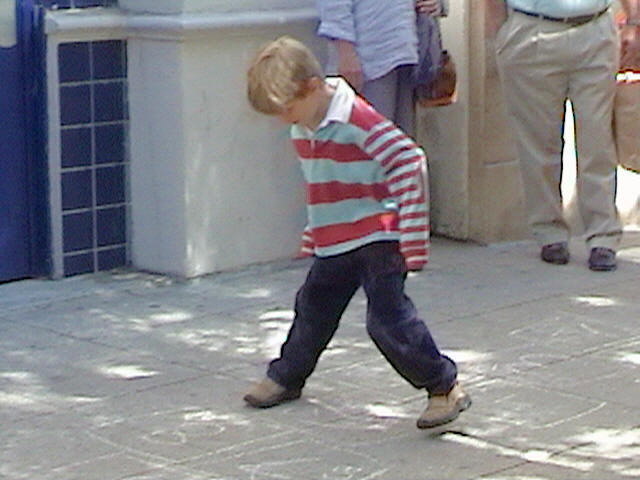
column 341, row 104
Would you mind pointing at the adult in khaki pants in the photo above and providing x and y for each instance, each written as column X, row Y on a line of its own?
column 549, row 51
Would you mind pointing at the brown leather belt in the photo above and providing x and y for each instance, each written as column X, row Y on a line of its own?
column 573, row 21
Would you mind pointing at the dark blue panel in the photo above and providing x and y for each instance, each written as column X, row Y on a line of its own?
column 110, row 144
column 14, row 201
column 76, row 3
column 112, row 258
column 76, row 147
column 75, row 105
column 111, row 226
column 73, row 62
column 76, row 190
column 108, row 60
column 108, row 101
column 77, row 231
column 110, row 185
column 78, row 264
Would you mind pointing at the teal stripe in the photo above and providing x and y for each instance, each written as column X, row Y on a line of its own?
column 346, row 211
column 326, row 170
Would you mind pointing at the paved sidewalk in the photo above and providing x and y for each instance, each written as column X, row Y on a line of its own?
column 135, row 376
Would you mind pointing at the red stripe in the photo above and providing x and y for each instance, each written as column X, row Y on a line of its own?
column 395, row 139
column 412, row 245
column 413, row 215
column 363, row 115
column 402, row 176
column 343, row 232
column 402, row 191
column 418, row 252
column 337, row 152
column 378, row 134
column 401, row 163
column 412, row 201
column 416, row 229
column 330, row 192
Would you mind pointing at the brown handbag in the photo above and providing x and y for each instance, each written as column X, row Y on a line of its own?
column 434, row 76
column 443, row 89
column 626, row 121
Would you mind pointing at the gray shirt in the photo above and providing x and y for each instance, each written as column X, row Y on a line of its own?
column 560, row 8
column 383, row 31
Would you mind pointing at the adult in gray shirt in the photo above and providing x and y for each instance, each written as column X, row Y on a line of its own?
column 373, row 45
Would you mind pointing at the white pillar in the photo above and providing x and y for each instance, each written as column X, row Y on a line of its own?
column 214, row 185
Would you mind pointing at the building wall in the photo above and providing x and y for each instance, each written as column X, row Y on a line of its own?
column 157, row 159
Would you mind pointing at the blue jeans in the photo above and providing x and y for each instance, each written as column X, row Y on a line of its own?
column 392, row 321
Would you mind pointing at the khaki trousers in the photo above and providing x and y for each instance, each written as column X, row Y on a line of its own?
column 542, row 64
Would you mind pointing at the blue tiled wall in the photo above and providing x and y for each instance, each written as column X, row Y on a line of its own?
column 94, row 123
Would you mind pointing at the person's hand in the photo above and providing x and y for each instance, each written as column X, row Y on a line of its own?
column 630, row 48
column 349, row 66
column 430, row 7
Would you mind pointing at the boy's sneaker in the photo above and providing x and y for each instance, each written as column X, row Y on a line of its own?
column 268, row 393
column 444, row 408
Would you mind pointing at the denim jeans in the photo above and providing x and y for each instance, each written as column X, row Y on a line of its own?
column 392, row 321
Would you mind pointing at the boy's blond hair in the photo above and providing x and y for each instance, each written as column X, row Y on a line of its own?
column 278, row 74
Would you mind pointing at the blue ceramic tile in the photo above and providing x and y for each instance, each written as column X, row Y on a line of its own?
column 78, row 264
column 73, row 62
column 76, row 190
column 77, row 231
column 108, row 60
column 110, row 185
column 76, row 147
column 112, row 258
column 111, row 226
column 75, row 105
column 110, row 146
column 108, row 101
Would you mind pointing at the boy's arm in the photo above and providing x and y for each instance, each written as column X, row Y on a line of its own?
column 405, row 171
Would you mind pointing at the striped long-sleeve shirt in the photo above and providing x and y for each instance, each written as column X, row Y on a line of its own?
column 365, row 181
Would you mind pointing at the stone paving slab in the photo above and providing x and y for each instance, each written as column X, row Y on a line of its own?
column 127, row 375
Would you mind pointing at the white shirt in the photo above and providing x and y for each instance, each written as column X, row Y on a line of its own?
column 560, row 8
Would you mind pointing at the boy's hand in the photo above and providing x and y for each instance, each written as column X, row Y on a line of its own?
column 416, row 266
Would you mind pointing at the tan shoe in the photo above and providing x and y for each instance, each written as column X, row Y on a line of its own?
column 444, row 408
column 268, row 393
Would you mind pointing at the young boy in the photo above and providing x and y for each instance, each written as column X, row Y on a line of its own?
column 367, row 226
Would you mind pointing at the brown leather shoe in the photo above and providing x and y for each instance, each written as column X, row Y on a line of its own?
column 444, row 408
column 268, row 393
column 602, row 259
column 555, row 253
